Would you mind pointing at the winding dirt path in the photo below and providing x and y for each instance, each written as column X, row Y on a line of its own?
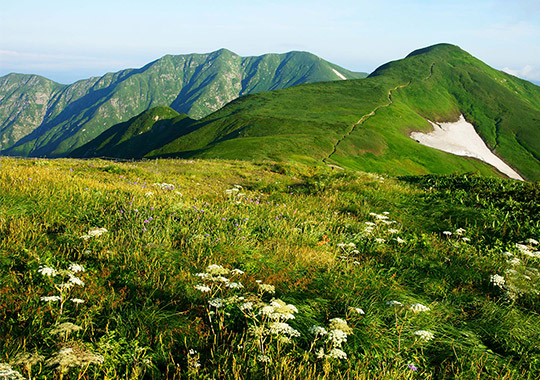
column 362, row 120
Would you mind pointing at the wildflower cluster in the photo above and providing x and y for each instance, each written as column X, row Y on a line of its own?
column 382, row 225
column 63, row 282
column 424, row 335
column 520, row 276
column 164, row 186
column 458, row 233
column 329, row 342
column 348, row 250
column 219, row 290
column 415, row 308
column 8, row 373
column 267, row 322
column 73, row 354
column 94, row 232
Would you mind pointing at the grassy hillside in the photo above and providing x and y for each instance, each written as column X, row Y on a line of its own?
column 364, row 124
column 41, row 118
column 138, row 136
column 221, row 269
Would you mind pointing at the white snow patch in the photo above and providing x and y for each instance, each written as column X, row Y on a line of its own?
column 460, row 138
column 339, row 74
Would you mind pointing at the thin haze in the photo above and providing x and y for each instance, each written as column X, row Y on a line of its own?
column 69, row 40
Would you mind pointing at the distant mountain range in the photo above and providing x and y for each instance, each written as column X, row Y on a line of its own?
column 39, row 117
column 360, row 124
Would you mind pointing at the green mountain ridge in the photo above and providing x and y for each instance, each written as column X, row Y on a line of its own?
column 365, row 124
column 39, row 117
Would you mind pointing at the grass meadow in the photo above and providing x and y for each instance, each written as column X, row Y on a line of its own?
column 210, row 269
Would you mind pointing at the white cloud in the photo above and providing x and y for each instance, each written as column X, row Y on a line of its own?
column 527, row 72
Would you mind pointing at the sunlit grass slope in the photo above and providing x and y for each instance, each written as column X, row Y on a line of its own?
column 365, row 124
column 243, row 270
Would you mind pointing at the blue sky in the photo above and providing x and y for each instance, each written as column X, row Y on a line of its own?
column 70, row 40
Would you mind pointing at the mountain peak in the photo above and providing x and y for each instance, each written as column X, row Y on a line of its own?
column 437, row 48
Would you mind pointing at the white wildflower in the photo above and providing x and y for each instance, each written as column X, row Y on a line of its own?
column 8, row 373
column 380, row 240
column 418, row 308
column 267, row 310
column 149, row 194
column 65, row 285
column 514, row 261
column 216, row 302
column 263, row 358
column 497, row 280
column 283, row 328
column 336, row 353
column 65, row 328
column 394, row 303
column 246, row 306
column 356, row 310
column 318, row 330
column 282, row 307
column 203, row 288
column 532, row 241
column 97, row 232
column 51, row 298
column 75, row 356
column 320, row 353
column 164, row 186
column 237, row 271
column 393, row 231
column 47, row 271
column 399, row 240
column 447, row 233
column 337, row 337
column 77, row 300
column 76, row 268
column 460, row 231
column 75, row 280
column 424, row 335
column 267, row 288
column 523, row 248
column 216, row 270
column 235, row 285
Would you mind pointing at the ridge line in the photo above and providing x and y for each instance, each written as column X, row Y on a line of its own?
column 363, row 119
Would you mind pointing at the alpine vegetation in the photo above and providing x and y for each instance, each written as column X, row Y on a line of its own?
column 264, row 270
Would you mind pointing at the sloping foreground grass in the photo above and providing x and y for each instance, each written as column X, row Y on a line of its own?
column 225, row 269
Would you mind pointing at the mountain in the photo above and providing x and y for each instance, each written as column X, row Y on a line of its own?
column 365, row 124
column 138, row 136
column 39, row 117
